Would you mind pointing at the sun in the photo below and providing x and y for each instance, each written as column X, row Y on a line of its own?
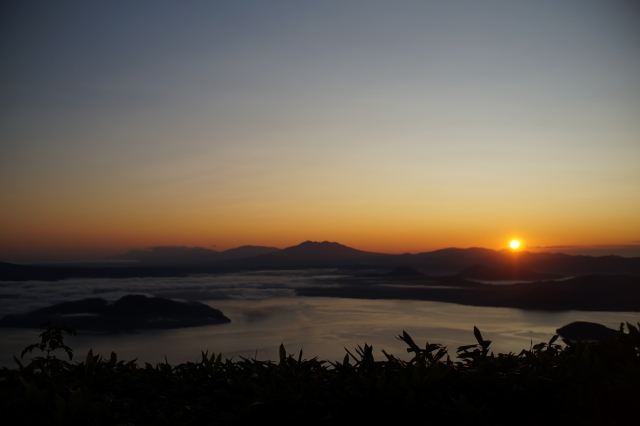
column 514, row 244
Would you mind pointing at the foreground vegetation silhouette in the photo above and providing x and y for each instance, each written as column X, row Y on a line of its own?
column 590, row 383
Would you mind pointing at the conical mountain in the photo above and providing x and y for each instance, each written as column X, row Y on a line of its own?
column 324, row 250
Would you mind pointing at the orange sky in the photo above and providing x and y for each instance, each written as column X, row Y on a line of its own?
column 387, row 222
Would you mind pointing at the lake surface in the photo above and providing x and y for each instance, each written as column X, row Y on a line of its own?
column 265, row 312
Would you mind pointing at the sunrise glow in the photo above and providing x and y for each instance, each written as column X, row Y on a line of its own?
column 253, row 131
column 514, row 244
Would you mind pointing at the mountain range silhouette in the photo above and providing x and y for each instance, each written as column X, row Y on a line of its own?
column 606, row 283
column 186, row 256
column 476, row 263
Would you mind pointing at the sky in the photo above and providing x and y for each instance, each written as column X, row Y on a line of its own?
column 401, row 126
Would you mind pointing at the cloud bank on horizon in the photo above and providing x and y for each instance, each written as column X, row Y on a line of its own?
column 389, row 127
column 21, row 297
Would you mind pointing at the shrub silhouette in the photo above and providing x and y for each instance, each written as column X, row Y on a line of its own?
column 579, row 382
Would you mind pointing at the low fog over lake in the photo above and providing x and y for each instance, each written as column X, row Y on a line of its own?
column 265, row 311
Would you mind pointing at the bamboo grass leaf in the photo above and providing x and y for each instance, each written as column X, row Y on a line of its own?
column 466, row 347
column 354, row 358
column 75, row 401
column 20, row 366
column 61, row 406
column 217, row 364
column 283, row 354
column 89, row 364
column 409, row 341
column 416, row 375
column 633, row 330
column 382, row 380
column 24, row 382
column 106, row 407
column 346, row 359
column 479, row 338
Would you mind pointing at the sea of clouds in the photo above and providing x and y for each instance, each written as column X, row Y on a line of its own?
column 22, row 297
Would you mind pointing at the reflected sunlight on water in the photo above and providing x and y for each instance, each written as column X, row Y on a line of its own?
column 323, row 326
column 264, row 313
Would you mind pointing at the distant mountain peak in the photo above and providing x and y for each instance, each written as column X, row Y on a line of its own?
column 309, row 242
column 324, row 249
column 246, row 251
column 169, row 255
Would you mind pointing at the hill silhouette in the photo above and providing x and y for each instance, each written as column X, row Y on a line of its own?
column 587, row 293
column 584, row 330
column 189, row 256
column 488, row 273
column 170, row 255
column 405, row 273
column 324, row 250
column 128, row 313
column 313, row 254
column 246, row 251
column 453, row 260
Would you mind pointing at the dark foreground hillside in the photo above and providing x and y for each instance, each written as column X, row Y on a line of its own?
column 580, row 383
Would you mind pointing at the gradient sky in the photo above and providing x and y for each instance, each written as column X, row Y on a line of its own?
column 387, row 126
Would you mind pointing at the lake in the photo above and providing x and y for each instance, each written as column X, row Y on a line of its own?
column 265, row 312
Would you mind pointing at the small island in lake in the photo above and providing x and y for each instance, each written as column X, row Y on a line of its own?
column 584, row 330
column 129, row 313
